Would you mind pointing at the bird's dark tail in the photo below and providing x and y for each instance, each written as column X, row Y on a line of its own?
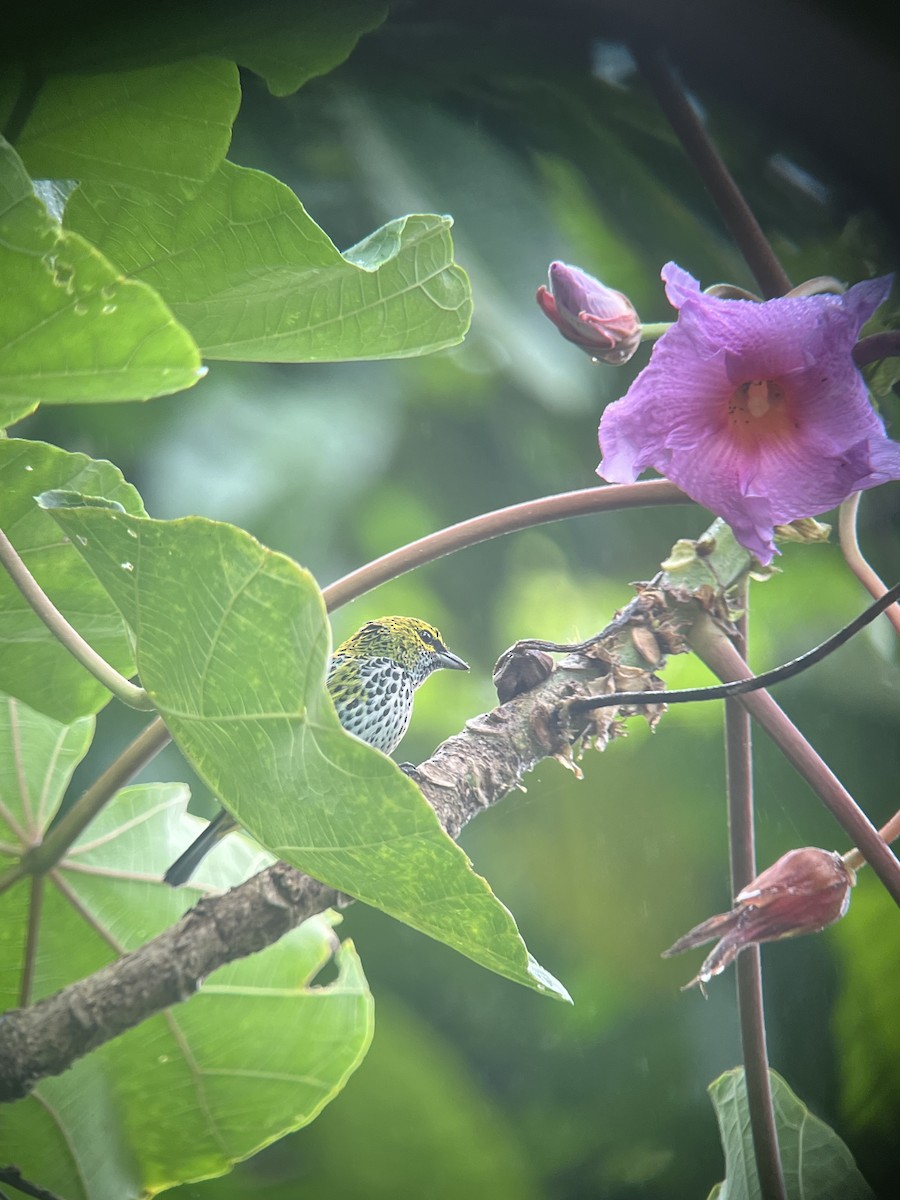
column 186, row 864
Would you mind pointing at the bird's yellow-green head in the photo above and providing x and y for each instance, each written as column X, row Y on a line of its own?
column 413, row 645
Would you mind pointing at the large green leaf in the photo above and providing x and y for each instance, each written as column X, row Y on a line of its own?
column 816, row 1162
column 256, row 1054
column 76, row 330
column 37, row 758
column 410, row 1108
column 232, row 645
column 285, row 44
column 164, row 128
column 34, row 666
column 252, row 276
column 318, row 39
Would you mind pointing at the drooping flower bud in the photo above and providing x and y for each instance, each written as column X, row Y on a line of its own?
column 601, row 321
column 802, row 892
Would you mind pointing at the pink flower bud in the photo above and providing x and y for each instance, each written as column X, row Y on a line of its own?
column 802, row 892
column 601, row 321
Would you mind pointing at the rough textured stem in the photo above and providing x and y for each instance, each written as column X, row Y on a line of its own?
column 700, row 149
column 753, row 683
column 47, row 1037
column 43, row 608
column 716, row 651
column 504, row 520
column 856, row 561
column 748, row 969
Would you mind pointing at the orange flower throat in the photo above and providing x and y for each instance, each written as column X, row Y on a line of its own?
column 758, row 411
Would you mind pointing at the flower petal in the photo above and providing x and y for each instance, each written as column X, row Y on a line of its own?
column 799, row 449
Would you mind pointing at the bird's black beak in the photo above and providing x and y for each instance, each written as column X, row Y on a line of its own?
column 448, row 659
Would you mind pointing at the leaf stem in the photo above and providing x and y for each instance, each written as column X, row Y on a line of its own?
column 490, row 525
column 742, row 854
column 701, row 150
column 32, row 82
column 653, row 331
column 714, row 648
column 41, row 858
column 857, row 562
column 46, row 610
column 877, row 346
column 35, row 908
column 888, row 832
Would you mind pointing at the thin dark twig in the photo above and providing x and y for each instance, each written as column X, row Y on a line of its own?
column 739, row 687
column 701, row 150
column 13, row 1175
column 742, row 853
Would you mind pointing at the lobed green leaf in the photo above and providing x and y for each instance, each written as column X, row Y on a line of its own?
column 247, row 270
column 232, row 645
column 163, row 128
column 34, row 665
column 815, row 1160
column 256, row 1054
column 286, row 44
column 78, row 331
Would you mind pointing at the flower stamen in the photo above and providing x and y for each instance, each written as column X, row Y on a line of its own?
column 758, row 409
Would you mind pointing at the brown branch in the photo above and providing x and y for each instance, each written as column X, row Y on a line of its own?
column 48, row 1037
column 748, row 969
column 718, row 180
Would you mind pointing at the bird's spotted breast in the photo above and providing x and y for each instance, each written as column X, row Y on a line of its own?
column 373, row 698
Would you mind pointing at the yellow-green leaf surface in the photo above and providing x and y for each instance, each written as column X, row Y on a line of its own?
column 256, row 1054
column 162, row 128
column 71, row 327
column 817, row 1165
column 252, row 276
column 34, row 666
column 232, row 646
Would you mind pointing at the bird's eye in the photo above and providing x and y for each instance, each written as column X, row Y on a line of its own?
column 427, row 638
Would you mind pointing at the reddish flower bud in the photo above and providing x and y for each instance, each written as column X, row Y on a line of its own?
column 801, row 893
column 601, row 321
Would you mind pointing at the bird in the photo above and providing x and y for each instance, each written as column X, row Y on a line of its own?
column 372, row 681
